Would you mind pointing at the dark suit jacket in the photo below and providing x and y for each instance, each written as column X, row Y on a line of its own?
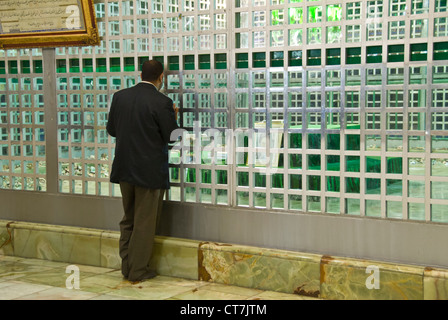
column 142, row 119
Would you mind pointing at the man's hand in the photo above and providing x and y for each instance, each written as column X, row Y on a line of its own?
column 176, row 111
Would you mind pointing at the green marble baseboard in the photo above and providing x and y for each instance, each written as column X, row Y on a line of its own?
column 314, row 275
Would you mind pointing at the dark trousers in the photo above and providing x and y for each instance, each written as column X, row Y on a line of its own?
column 142, row 208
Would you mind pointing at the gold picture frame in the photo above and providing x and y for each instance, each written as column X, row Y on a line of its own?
column 47, row 23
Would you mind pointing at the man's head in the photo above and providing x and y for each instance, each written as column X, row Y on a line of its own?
column 152, row 71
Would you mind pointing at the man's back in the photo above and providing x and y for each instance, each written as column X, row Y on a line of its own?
column 142, row 120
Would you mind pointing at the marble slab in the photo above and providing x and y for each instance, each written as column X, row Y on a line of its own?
column 176, row 257
column 435, row 284
column 351, row 279
column 258, row 268
column 6, row 238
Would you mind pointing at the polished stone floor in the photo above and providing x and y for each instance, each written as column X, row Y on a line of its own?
column 34, row 279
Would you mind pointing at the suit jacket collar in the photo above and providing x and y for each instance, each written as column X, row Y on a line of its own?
column 150, row 83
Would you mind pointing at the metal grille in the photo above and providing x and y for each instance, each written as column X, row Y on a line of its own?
column 358, row 90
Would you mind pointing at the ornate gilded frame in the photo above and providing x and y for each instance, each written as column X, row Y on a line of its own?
column 85, row 33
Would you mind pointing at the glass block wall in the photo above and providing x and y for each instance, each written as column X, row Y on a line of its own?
column 355, row 91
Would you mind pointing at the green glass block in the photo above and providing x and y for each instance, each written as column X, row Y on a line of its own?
column 374, row 54
column 259, row 199
column 439, row 213
column 188, row 62
column 313, row 203
column 295, row 161
column 419, row 52
column 353, row 206
column 260, row 180
column 259, row 60
column 334, row 34
column 13, row 67
column 352, row 164
column 353, row 77
column 353, row 142
column 394, row 143
column 38, row 66
column 313, row 162
column 394, row 209
column 61, row 66
column 439, row 167
column 352, row 185
column 440, row 51
column 87, row 65
column 333, row 141
column 2, row 67
column 295, row 181
column 205, row 195
column 221, row 176
column 277, row 201
column 206, row 176
column 295, row 15
column 439, row 144
column 314, row 140
column 353, row 55
column 129, row 64
column 334, row 12
column 416, row 189
column 295, row 58
column 314, row 183
column 373, row 186
column 333, row 56
column 333, row 205
column 25, row 66
column 115, row 65
column 333, row 163
column 294, row 202
column 416, row 166
column 173, row 63
column 276, row 17
column 242, row 60
column 373, row 164
column 242, row 179
column 315, row 14
column 416, row 144
column 277, row 181
column 220, row 61
column 333, row 184
column 395, row 53
column 373, row 208
column 418, row 75
column 101, row 65
column 439, row 190
column 416, row 211
column 295, row 140
column 221, row 197
column 314, row 57
column 440, row 74
column 394, row 165
column 394, row 187
column 74, row 65
column 277, row 59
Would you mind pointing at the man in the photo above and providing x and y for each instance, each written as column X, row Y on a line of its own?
column 142, row 119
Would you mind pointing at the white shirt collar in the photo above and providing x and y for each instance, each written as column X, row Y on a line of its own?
column 150, row 83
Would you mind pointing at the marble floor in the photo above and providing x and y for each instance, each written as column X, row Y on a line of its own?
column 34, row 279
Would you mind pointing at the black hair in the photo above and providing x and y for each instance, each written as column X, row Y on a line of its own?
column 151, row 70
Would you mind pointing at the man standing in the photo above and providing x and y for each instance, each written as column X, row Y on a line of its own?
column 141, row 119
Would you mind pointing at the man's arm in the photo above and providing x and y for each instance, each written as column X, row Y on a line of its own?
column 167, row 118
column 110, row 122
